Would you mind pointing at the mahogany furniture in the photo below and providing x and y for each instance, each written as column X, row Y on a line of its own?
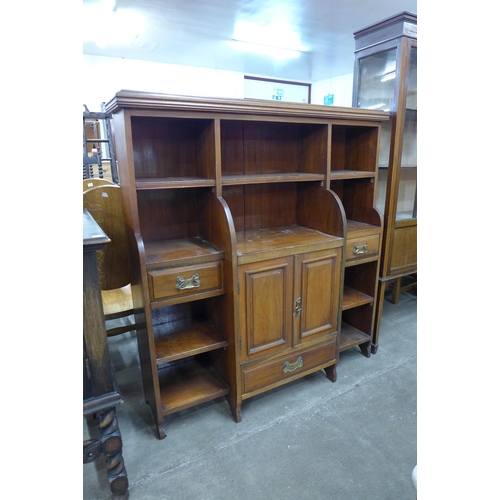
column 385, row 77
column 239, row 244
column 100, row 393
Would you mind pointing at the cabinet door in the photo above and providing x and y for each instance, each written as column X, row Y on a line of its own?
column 316, row 294
column 266, row 290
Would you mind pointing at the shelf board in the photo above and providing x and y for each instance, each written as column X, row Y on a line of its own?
column 356, row 228
column 173, row 182
column 268, row 243
column 231, row 180
column 351, row 337
column 350, row 174
column 179, row 340
column 180, row 252
column 352, row 298
column 184, row 385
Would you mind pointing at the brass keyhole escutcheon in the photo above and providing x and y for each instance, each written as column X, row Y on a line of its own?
column 298, row 306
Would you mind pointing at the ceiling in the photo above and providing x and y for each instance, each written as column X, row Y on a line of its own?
column 199, row 33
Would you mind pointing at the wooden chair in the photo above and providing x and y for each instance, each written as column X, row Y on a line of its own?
column 90, row 183
column 105, row 205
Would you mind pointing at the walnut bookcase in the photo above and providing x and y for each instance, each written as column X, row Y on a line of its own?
column 237, row 223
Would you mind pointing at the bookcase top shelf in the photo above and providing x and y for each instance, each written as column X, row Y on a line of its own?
column 148, row 101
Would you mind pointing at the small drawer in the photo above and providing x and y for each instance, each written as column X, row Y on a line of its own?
column 186, row 283
column 360, row 248
column 278, row 370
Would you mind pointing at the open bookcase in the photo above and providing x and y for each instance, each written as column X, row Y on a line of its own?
column 251, row 256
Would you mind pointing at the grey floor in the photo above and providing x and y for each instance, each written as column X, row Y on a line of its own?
column 310, row 439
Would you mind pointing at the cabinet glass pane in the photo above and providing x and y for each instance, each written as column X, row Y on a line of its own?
column 407, row 193
column 377, row 79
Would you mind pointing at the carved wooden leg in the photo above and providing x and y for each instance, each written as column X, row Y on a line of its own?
column 111, row 443
column 331, row 372
column 92, row 450
column 237, row 412
column 366, row 349
column 161, row 432
column 234, row 406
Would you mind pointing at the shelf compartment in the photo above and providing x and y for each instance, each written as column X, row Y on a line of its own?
column 187, row 384
column 173, row 148
column 358, row 198
column 353, row 298
column 354, row 148
column 182, row 339
column 174, row 214
column 356, row 229
column 180, row 252
column 253, row 148
column 360, row 283
column 351, row 337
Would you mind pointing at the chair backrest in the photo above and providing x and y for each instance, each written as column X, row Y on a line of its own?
column 105, row 205
column 90, row 183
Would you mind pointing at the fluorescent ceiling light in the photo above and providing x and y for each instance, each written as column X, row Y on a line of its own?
column 105, row 24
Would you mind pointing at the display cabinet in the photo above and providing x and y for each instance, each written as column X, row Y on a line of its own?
column 238, row 241
column 385, row 77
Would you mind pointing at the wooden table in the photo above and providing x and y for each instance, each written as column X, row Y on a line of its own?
column 100, row 393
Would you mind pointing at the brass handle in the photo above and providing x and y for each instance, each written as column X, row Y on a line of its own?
column 290, row 367
column 298, row 306
column 193, row 282
column 360, row 249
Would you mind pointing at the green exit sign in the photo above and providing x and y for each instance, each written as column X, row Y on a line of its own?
column 277, row 94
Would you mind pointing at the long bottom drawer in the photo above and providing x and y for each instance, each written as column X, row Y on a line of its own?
column 278, row 371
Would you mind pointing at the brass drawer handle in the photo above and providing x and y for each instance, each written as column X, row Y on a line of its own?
column 360, row 249
column 193, row 282
column 290, row 367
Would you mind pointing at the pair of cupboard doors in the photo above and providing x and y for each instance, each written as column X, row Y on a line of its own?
column 287, row 303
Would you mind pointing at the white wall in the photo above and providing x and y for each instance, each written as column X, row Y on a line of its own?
column 340, row 87
column 113, row 74
column 107, row 75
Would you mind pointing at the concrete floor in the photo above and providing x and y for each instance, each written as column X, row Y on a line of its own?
column 310, row 439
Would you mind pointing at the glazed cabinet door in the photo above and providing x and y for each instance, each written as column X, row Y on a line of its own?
column 316, row 295
column 266, row 291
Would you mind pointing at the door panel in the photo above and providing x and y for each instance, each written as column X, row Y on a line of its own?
column 266, row 307
column 317, row 277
